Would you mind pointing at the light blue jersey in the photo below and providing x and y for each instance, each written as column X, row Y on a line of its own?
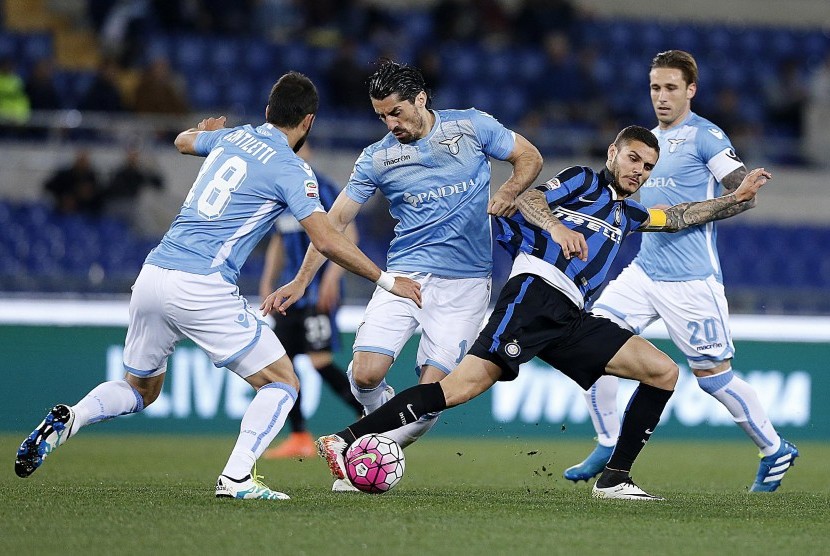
column 438, row 188
column 250, row 177
column 694, row 156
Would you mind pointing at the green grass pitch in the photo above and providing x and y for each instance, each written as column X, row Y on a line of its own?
column 132, row 494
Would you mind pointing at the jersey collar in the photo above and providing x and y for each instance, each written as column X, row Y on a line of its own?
column 274, row 132
column 605, row 180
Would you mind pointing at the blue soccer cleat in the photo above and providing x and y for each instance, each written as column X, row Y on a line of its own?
column 591, row 466
column 45, row 439
column 250, row 487
column 773, row 468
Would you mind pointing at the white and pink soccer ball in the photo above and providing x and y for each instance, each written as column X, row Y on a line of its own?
column 374, row 463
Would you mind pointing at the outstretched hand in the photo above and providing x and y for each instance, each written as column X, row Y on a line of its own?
column 751, row 183
column 212, row 124
column 406, row 287
column 282, row 299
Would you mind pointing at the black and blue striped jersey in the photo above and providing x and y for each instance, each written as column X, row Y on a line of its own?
column 295, row 243
column 584, row 201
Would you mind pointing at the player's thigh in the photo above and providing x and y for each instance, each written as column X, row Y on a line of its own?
column 639, row 360
column 696, row 315
column 626, row 300
column 211, row 312
column 280, row 371
column 151, row 335
column 389, row 321
column 451, row 318
column 470, row 378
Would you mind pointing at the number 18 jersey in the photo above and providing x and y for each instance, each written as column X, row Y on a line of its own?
column 249, row 178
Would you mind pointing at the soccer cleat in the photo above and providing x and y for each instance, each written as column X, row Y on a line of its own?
column 331, row 448
column 45, row 439
column 618, row 485
column 249, row 488
column 297, row 445
column 343, row 485
column 591, row 466
column 773, row 468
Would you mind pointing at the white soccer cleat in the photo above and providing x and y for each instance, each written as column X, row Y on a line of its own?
column 53, row 431
column 343, row 485
column 626, row 490
column 250, row 488
column 331, row 448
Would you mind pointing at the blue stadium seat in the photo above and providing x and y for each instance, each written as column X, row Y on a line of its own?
column 8, row 45
column 260, row 59
column 191, row 53
column 225, row 54
column 203, row 92
column 35, row 46
column 159, row 46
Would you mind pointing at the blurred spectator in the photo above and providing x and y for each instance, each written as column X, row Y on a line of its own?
column 817, row 114
column 14, row 104
column 818, row 82
column 785, row 94
column 346, row 79
column 456, row 20
column 744, row 131
column 277, row 20
column 75, row 188
column 536, row 18
column 429, row 62
column 159, row 90
column 562, row 86
column 104, row 94
column 40, row 88
column 120, row 198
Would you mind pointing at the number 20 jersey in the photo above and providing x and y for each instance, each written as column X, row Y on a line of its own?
column 249, row 178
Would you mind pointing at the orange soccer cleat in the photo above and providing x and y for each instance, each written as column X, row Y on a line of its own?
column 297, row 445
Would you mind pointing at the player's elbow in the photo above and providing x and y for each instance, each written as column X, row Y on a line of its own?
column 184, row 143
column 324, row 244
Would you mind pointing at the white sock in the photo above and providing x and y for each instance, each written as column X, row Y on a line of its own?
column 408, row 434
column 262, row 421
column 743, row 403
column 105, row 401
column 602, row 406
column 370, row 398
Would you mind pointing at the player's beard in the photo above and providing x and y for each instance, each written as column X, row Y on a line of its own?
column 300, row 142
column 411, row 136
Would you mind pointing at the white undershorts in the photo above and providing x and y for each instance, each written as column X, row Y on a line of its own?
column 695, row 313
column 451, row 317
column 169, row 305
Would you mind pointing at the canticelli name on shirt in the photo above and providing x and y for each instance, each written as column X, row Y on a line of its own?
column 251, row 145
column 593, row 224
column 660, row 182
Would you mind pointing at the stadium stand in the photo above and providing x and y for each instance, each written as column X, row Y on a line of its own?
column 41, row 251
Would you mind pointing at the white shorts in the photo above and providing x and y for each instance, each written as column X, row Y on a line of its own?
column 695, row 313
column 451, row 316
column 169, row 305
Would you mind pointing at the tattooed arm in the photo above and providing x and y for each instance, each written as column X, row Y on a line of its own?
column 679, row 217
column 730, row 183
column 534, row 207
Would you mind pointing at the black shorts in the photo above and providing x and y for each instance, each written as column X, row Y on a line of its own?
column 306, row 330
column 534, row 319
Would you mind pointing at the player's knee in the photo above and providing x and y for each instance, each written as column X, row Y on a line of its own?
column 367, row 376
column 664, row 372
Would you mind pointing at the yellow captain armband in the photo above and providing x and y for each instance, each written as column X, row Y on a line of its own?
column 657, row 218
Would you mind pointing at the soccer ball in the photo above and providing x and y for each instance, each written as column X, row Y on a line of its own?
column 374, row 463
